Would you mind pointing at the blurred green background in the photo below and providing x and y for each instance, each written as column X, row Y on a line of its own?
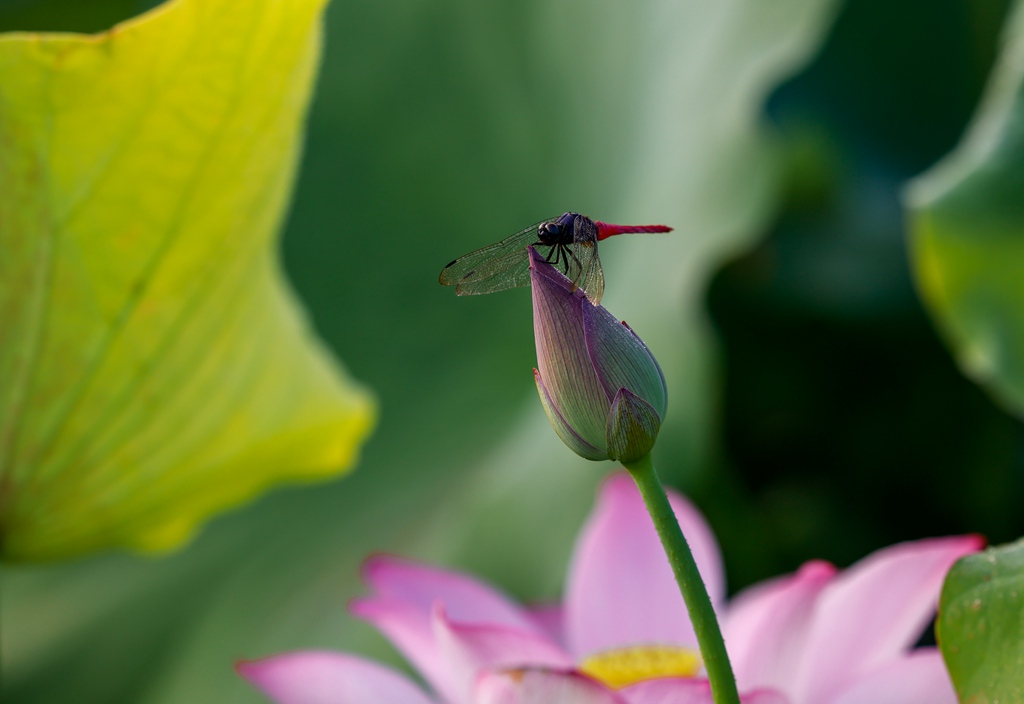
column 814, row 411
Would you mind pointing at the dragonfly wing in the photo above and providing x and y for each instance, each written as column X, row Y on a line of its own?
column 482, row 263
column 509, row 271
column 490, row 261
column 592, row 279
column 584, row 268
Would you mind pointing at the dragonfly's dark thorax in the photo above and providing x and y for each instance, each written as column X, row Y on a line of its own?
column 563, row 230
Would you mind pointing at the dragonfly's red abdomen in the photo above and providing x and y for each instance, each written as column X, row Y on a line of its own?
column 605, row 230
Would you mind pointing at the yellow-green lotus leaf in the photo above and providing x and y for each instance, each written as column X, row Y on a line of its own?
column 154, row 366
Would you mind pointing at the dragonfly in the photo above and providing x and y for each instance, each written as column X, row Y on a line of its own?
column 568, row 242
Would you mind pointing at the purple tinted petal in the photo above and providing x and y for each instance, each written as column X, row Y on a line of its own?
column 622, row 360
column 674, row 690
column 321, row 677
column 669, row 690
column 764, row 696
column 551, row 619
column 874, row 611
column 620, row 588
column 534, row 686
column 766, row 626
column 468, row 650
column 569, row 436
column 919, row 678
column 562, row 357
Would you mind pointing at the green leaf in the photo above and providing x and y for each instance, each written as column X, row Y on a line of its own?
column 155, row 368
column 967, row 227
column 981, row 625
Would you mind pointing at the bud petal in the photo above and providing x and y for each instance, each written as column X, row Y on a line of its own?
column 569, row 436
column 562, row 357
column 633, row 426
column 622, row 360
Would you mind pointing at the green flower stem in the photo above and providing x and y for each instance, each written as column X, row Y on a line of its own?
column 695, row 594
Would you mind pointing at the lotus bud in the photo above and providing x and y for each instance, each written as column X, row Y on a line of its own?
column 601, row 387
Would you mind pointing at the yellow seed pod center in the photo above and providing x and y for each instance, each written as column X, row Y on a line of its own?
column 625, row 666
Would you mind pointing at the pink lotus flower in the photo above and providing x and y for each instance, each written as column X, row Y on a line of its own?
column 622, row 635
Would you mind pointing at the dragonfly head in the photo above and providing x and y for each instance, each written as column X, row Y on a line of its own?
column 558, row 231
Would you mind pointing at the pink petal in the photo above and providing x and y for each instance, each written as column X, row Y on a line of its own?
column 469, row 649
column 405, row 593
column 621, row 590
column 465, row 599
column 534, row 686
column 673, row 690
column 321, row 677
column 766, row 626
column 919, row 678
column 410, row 630
column 874, row 611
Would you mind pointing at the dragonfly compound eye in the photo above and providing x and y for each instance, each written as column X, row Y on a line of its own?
column 548, row 231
